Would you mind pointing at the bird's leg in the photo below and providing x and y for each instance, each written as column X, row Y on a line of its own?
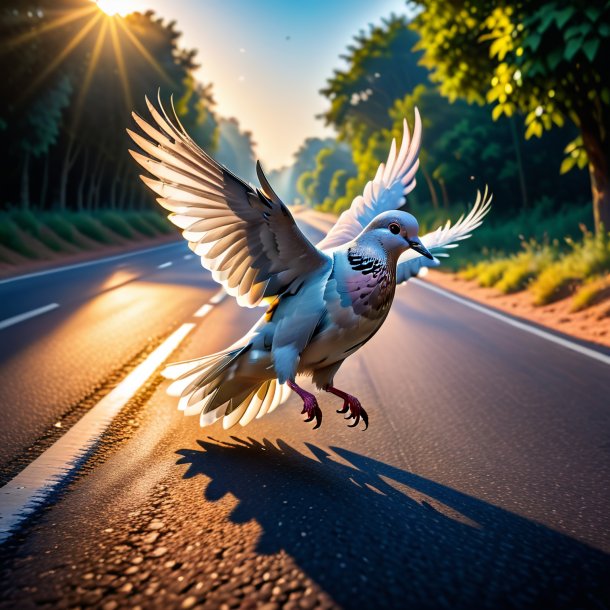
column 351, row 404
column 310, row 404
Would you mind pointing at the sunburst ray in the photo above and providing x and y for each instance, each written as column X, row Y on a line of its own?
column 64, row 19
column 118, row 53
column 72, row 44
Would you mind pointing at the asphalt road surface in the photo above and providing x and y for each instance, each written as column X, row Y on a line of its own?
column 483, row 480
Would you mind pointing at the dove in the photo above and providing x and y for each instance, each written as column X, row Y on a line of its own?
column 323, row 302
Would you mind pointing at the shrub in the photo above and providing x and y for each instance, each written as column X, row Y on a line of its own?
column 138, row 221
column 89, row 226
column 160, row 223
column 585, row 259
column 472, row 271
column 492, row 272
column 34, row 226
column 10, row 238
column 58, row 223
column 524, row 267
column 592, row 291
column 115, row 222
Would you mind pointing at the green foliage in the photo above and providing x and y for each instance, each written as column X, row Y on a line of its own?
column 88, row 226
column 40, row 128
column 315, row 185
column 593, row 290
column 65, row 106
column 160, row 223
column 236, row 149
column 117, row 223
column 491, row 273
column 525, row 266
column 65, row 229
column 381, row 68
column 544, row 60
column 140, row 224
column 585, row 259
column 31, row 224
column 285, row 180
column 10, row 237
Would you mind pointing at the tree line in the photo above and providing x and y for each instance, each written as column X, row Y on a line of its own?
column 516, row 97
column 71, row 77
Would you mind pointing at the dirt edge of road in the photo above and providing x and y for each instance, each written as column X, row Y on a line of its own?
column 23, row 267
column 591, row 324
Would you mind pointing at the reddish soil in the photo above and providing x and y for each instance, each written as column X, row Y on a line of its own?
column 592, row 324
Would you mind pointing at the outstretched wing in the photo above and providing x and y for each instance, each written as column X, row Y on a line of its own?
column 444, row 238
column 244, row 235
column 393, row 181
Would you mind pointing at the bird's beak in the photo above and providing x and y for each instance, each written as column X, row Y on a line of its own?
column 416, row 244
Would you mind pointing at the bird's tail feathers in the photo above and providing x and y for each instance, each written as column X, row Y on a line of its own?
column 209, row 387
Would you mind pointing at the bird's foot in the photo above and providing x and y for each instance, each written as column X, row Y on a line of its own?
column 352, row 406
column 310, row 404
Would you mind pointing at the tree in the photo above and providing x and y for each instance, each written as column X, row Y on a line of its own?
column 544, row 59
column 236, row 149
column 285, row 179
column 381, row 68
column 315, row 185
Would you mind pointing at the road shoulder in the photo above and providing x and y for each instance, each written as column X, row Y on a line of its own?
column 592, row 324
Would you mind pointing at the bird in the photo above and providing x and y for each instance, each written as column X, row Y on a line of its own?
column 323, row 302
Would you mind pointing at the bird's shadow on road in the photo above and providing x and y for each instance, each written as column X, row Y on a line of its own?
column 373, row 535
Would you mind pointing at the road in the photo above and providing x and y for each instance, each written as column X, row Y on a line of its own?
column 482, row 481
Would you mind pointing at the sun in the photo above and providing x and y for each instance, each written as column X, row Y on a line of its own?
column 115, row 7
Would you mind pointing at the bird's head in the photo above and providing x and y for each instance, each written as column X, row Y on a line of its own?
column 396, row 231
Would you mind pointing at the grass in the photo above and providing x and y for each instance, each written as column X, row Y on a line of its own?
column 586, row 259
column 56, row 230
column 59, row 224
column 499, row 236
column 160, row 223
column 141, row 224
column 549, row 271
column 30, row 223
column 10, row 237
column 90, row 227
column 594, row 290
column 115, row 222
column 524, row 267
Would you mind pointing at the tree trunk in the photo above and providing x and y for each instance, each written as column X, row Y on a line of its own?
column 91, row 198
column 45, row 183
column 444, row 193
column 431, row 188
column 69, row 159
column 598, row 153
column 81, row 184
column 25, row 182
column 519, row 159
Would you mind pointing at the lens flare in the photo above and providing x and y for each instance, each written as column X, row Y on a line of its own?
column 115, row 7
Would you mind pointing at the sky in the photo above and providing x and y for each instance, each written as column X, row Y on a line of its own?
column 268, row 59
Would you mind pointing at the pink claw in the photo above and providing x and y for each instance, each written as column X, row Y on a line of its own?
column 351, row 404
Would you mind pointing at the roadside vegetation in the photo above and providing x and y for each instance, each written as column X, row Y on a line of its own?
column 550, row 267
column 30, row 235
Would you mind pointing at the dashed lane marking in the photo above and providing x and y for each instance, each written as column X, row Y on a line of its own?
column 27, row 315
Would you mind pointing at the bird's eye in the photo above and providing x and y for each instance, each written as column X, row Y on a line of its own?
column 394, row 228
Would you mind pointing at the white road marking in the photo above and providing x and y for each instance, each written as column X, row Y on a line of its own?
column 27, row 315
column 581, row 349
column 219, row 297
column 165, row 265
column 204, row 310
column 97, row 261
column 188, row 257
column 27, row 491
